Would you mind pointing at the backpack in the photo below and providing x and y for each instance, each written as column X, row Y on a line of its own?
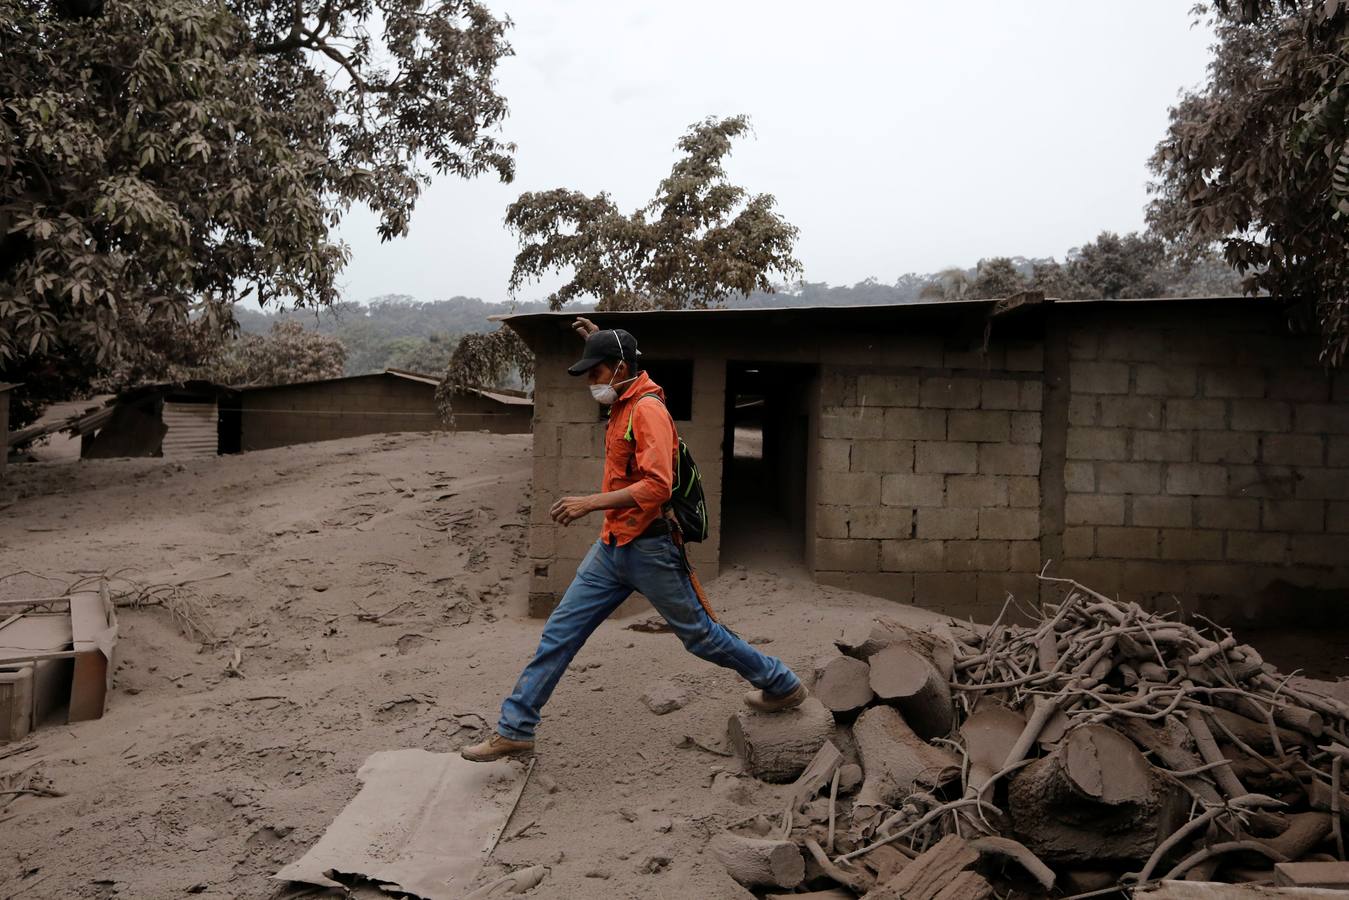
column 687, row 501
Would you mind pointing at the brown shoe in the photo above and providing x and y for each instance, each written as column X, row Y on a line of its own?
column 768, row 703
column 496, row 747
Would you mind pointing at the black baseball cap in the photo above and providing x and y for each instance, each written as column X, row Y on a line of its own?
column 609, row 343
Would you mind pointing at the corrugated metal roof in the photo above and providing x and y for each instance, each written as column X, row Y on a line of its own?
column 193, row 430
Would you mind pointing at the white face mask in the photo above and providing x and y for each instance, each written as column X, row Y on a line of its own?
column 607, row 394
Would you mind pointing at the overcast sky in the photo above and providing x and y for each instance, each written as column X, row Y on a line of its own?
column 900, row 136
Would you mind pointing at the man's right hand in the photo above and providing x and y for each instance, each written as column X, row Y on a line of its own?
column 584, row 327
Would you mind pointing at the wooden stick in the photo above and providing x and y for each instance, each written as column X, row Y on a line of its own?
column 853, row 882
column 1335, row 828
column 1208, row 749
column 833, row 801
column 909, row 829
column 1207, row 853
column 518, row 794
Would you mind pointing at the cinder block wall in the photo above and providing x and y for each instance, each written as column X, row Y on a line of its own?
column 928, row 490
column 569, row 460
column 1206, row 459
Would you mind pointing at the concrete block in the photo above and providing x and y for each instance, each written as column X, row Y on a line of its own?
column 978, row 425
column 1129, row 477
column 1196, row 414
column 1261, row 481
column 1337, row 451
column 1128, row 542
column 1131, row 412
column 542, row 541
column 948, row 524
column 974, row 356
column 868, row 522
column 1079, row 477
column 1257, row 546
column 976, row 490
column 946, row 457
column 1097, row 443
column 1323, row 484
column 1000, row 394
column 1025, row 428
column 912, row 490
column 1261, row 415
column 1084, row 343
column 546, row 470
column 849, row 489
column 1170, row 512
column 1337, row 517
column 1243, row 381
column 847, row 556
column 887, row 390
column 1093, row 509
column 1292, row 515
column 1103, row 575
column 915, row 424
column 831, row 521
column 886, row 585
column 1009, row 459
column 994, row 587
column 1190, row 543
column 1025, row 356
column 1079, row 541
column 855, row 422
column 882, row 456
column 582, row 440
column 951, row 593
column 1024, row 556
column 546, row 439
column 977, row 556
column 835, row 455
column 1165, row 380
column 912, row 556
column 950, row 393
column 1163, row 446
column 1226, row 447
column 1152, row 577
column 1196, row 479
column 1303, row 385
column 837, row 388
column 1224, row 581
column 1293, row 449
column 1009, row 524
column 1098, row 377
column 1032, row 395
column 1023, row 490
column 1320, row 549
column 1131, row 344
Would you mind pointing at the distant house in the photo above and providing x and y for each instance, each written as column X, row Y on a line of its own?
column 199, row 418
column 392, row 400
column 943, row 453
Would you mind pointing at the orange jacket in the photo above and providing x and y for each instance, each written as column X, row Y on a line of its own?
column 642, row 461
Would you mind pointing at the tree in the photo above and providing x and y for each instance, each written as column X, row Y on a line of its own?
column 996, row 278
column 484, row 360
column 1257, row 160
column 1116, row 267
column 700, row 241
column 163, row 160
column 288, row 354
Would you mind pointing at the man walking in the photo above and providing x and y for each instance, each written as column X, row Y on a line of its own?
column 636, row 552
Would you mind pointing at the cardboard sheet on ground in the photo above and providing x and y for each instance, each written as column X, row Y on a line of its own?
column 422, row 824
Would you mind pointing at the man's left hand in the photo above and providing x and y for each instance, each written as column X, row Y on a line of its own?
column 569, row 509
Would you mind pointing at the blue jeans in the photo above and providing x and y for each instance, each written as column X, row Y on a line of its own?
column 603, row 581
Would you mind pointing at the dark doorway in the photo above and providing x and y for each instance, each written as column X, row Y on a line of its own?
column 765, row 447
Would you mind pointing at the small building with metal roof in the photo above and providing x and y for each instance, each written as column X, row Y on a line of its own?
column 1165, row 450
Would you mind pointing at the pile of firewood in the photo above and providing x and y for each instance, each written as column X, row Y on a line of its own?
column 1107, row 746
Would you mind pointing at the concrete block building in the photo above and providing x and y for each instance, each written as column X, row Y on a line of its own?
column 1188, row 451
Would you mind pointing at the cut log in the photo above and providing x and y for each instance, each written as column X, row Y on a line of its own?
column 895, row 760
column 1254, row 733
column 842, row 684
column 850, row 778
column 966, row 886
column 989, row 734
column 866, row 640
column 755, row 862
column 1094, row 799
column 927, row 876
column 1169, row 744
column 902, row 676
column 778, row 746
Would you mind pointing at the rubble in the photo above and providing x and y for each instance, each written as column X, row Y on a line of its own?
column 1103, row 746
